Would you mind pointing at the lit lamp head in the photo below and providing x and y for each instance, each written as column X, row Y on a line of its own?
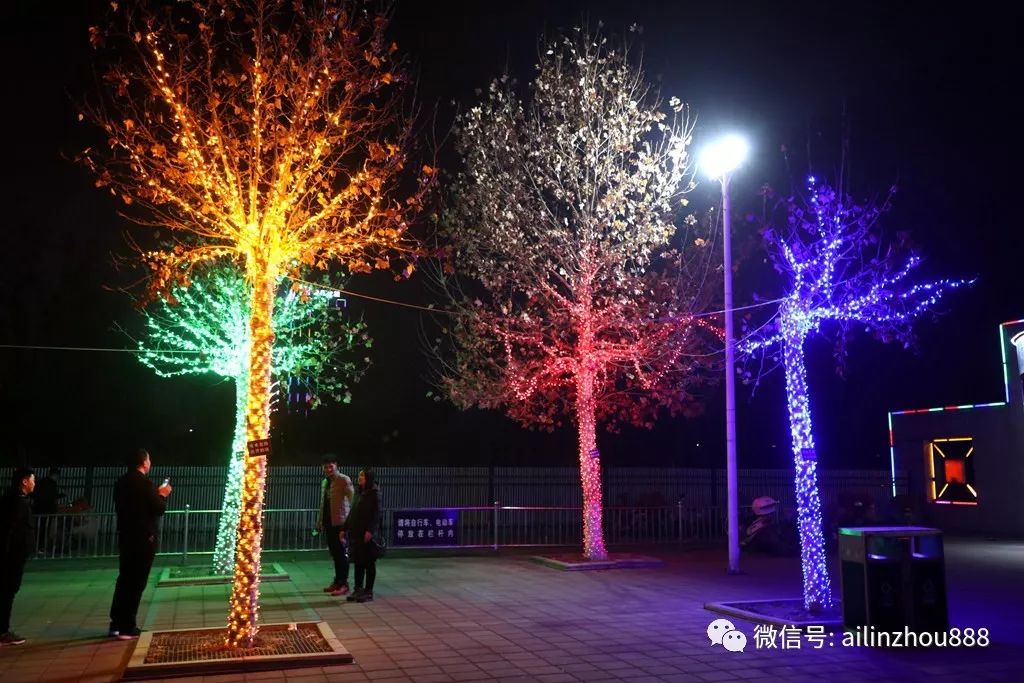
column 723, row 156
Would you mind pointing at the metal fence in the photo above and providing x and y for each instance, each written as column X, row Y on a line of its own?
column 499, row 507
column 193, row 532
column 288, row 487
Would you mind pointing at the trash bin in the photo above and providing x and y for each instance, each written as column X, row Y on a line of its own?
column 893, row 577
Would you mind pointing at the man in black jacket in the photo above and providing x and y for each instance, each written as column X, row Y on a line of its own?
column 17, row 543
column 139, row 505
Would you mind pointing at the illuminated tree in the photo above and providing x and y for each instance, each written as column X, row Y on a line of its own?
column 837, row 270
column 207, row 332
column 269, row 134
column 573, row 303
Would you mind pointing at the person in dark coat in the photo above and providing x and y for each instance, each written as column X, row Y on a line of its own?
column 46, row 497
column 139, row 505
column 46, row 501
column 17, row 544
column 362, row 526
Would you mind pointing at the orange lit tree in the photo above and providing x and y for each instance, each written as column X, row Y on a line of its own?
column 572, row 302
column 267, row 133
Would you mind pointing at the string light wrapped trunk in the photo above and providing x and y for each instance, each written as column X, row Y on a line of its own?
column 243, row 618
column 227, row 526
column 816, row 583
column 589, row 456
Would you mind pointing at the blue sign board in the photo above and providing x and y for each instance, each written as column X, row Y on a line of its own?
column 424, row 528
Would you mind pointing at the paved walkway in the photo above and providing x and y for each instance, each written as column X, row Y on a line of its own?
column 507, row 619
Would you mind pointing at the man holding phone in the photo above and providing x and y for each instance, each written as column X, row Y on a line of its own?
column 139, row 504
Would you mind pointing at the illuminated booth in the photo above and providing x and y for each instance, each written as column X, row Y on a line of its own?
column 965, row 463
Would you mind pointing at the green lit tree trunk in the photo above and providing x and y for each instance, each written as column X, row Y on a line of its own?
column 227, row 530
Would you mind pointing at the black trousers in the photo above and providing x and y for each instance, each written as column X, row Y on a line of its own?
column 365, row 562
column 338, row 554
column 11, row 571
column 134, row 564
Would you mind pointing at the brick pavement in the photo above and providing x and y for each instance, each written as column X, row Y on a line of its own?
column 507, row 619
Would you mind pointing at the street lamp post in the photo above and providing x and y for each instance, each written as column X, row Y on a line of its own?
column 719, row 161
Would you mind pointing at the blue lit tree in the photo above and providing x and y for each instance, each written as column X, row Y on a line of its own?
column 204, row 329
column 837, row 271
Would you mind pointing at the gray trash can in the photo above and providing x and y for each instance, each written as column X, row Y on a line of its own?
column 893, row 577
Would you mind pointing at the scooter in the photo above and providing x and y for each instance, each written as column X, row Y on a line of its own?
column 764, row 509
column 766, row 533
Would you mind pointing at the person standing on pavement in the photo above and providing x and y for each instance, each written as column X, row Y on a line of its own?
column 335, row 503
column 362, row 527
column 17, row 544
column 45, row 501
column 47, row 496
column 139, row 504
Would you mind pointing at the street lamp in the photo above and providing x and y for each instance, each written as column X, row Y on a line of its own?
column 718, row 161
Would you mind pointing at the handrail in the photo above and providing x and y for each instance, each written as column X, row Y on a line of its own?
column 192, row 532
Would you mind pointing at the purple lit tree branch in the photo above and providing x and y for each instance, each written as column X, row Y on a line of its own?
column 837, row 270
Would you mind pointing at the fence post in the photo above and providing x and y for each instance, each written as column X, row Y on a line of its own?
column 679, row 509
column 88, row 482
column 495, row 524
column 184, row 545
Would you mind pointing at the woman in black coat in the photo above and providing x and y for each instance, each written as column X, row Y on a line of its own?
column 361, row 527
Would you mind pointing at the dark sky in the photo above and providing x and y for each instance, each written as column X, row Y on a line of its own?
column 931, row 103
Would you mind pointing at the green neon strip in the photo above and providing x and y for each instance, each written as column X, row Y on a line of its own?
column 1006, row 366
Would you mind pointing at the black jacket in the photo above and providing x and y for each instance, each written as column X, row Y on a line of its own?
column 45, row 497
column 17, row 526
column 365, row 514
column 139, row 506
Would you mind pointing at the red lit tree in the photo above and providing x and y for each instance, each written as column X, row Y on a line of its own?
column 570, row 301
column 265, row 133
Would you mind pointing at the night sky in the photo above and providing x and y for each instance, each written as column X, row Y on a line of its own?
column 930, row 99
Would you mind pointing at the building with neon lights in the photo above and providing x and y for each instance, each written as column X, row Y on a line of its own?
column 965, row 463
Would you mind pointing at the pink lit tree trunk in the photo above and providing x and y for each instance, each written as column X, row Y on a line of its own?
column 590, row 459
